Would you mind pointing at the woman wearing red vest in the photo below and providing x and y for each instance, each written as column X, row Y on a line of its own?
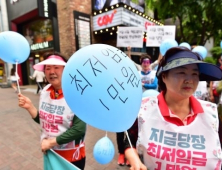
column 175, row 130
column 61, row 129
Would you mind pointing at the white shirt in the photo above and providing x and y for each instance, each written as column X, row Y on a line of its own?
column 201, row 91
column 14, row 77
column 39, row 76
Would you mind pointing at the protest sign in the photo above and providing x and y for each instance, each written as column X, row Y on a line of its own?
column 157, row 34
column 130, row 36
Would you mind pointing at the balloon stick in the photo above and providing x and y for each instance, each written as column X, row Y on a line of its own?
column 16, row 75
column 128, row 139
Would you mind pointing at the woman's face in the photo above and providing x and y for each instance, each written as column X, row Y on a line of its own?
column 182, row 81
column 53, row 74
column 146, row 65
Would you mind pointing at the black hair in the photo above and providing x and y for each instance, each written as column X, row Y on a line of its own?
column 12, row 72
column 144, row 56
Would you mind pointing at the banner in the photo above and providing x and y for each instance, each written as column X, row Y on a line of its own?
column 157, row 34
column 130, row 36
column 53, row 161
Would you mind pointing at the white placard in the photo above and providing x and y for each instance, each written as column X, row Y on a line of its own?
column 157, row 34
column 130, row 36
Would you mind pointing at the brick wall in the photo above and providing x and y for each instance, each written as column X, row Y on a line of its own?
column 65, row 10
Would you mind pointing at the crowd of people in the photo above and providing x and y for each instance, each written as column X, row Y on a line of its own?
column 178, row 128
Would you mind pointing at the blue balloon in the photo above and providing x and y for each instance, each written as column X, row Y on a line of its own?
column 150, row 92
column 102, row 87
column 184, row 44
column 104, row 151
column 201, row 50
column 167, row 44
column 221, row 44
column 14, row 47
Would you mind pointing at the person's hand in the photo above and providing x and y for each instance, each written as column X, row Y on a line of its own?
column 48, row 144
column 31, row 77
column 159, row 58
column 138, row 166
column 212, row 98
column 24, row 101
column 134, row 160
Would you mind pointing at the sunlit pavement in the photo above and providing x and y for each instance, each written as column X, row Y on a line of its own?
column 19, row 136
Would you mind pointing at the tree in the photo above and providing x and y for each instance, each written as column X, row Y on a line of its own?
column 198, row 20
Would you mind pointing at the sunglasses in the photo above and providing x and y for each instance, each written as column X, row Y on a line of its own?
column 146, row 61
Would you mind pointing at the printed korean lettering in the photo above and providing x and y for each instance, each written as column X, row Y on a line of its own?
column 199, row 159
column 60, row 110
column 198, row 141
column 183, row 157
column 170, row 138
column 183, row 140
column 180, row 151
column 155, row 136
column 58, row 119
column 50, row 118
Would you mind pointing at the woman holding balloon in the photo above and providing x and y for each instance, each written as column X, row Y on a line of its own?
column 175, row 130
column 62, row 130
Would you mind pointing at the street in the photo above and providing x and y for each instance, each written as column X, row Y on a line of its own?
column 20, row 136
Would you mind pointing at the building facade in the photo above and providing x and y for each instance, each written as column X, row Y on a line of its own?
column 68, row 25
column 82, row 22
column 37, row 21
column 4, row 67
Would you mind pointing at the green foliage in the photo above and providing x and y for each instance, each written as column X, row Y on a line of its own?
column 216, row 52
column 210, row 60
column 199, row 20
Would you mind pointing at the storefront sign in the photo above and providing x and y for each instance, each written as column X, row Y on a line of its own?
column 106, row 19
column 43, row 45
column 44, row 7
column 119, row 16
